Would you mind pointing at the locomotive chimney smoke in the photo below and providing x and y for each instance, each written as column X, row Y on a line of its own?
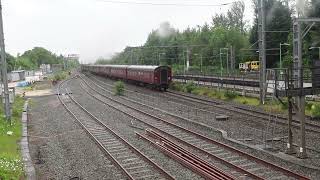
column 165, row 30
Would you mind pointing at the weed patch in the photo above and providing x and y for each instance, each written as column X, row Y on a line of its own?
column 119, row 88
column 10, row 158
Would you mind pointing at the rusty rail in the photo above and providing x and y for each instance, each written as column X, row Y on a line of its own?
column 186, row 158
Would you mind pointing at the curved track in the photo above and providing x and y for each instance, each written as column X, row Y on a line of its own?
column 132, row 163
column 242, row 165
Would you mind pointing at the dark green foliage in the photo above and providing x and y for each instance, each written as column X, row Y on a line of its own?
column 278, row 18
column 167, row 45
column 315, row 110
column 58, row 76
column 176, row 86
column 118, row 88
column 32, row 59
column 189, row 87
column 230, row 94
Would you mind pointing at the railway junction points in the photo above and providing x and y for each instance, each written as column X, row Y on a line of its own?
column 81, row 130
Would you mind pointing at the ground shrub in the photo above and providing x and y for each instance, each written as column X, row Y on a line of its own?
column 176, row 86
column 244, row 101
column 189, row 87
column 58, row 76
column 315, row 110
column 230, row 94
column 119, row 88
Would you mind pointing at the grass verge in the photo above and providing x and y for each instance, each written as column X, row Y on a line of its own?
column 10, row 158
column 274, row 106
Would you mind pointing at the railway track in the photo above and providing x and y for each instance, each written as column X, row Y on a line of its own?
column 315, row 128
column 132, row 163
column 241, row 164
column 207, row 105
column 207, row 109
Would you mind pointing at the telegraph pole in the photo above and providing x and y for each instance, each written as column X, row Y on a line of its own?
column 228, row 61
column 131, row 56
column 262, row 49
column 232, row 59
column 188, row 57
column 4, row 71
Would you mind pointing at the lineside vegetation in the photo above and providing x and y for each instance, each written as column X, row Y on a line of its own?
column 11, row 166
column 118, row 88
column 312, row 108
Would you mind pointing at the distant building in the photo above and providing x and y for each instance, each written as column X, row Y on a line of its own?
column 14, row 76
column 56, row 67
column 45, row 68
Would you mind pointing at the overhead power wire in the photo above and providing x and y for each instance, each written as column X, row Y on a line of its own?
column 163, row 4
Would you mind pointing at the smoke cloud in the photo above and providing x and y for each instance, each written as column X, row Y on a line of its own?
column 165, row 30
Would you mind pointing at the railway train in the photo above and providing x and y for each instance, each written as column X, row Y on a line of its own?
column 155, row 76
column 249, row 66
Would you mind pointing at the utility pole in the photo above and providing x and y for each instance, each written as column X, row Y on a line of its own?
column 201, row 62
column 262, row 49
column 232, row 59
column 131, row 56
column 284, row 44
column 227, row 61
column 298, row 76
column 4, row 71
column 220, row 63
column 188, row 57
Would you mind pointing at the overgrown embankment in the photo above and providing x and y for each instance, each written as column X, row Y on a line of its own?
column 312, row 108
column 10, row 158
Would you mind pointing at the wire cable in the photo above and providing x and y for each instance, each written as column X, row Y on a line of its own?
column 163, row 4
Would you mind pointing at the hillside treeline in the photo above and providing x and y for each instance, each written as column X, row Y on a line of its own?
column 32, row 59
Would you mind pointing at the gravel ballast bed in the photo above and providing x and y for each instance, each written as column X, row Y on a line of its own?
column 59, row 148
column 314, row 161
column 242, row 126
column 239, row 127
column 122, row 125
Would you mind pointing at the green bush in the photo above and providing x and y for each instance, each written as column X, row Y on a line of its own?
column 59, row 76
column 230, row 94
column 315, row 110
column 119, row 88
column 176, row 86
column 189, row 87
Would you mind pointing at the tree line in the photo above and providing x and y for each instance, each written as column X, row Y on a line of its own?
column 32, row 59
column 206, row 45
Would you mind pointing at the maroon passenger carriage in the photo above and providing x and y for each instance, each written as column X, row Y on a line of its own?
column 156, row 76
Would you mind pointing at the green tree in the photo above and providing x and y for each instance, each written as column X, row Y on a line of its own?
column 11, row 62
column 278, row 18
column 39, row 55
